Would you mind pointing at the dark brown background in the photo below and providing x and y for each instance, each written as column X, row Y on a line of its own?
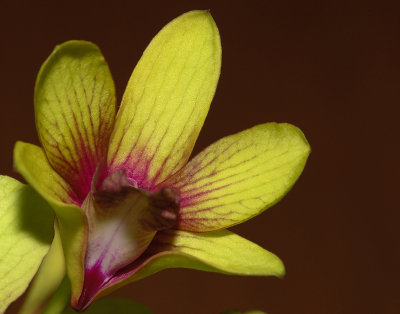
column 331, row 68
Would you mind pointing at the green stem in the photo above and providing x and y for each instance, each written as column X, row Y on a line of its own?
column 60, row 298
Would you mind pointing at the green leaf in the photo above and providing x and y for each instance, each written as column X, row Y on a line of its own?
column 239, row 176
column 26, row 231
column 47, row 279
column 74, row 111
column 31, row 163
column 114, row 305
column 167, row 99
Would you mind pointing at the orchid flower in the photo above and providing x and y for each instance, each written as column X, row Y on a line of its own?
column 127, row 201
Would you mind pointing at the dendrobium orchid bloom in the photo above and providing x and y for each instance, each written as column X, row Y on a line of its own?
column 127, row 202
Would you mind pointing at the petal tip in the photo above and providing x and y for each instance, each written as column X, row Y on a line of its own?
column 300, row 136
column 73, row 44
column 281, row 270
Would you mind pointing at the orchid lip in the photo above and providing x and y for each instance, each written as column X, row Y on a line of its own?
column 123, row 220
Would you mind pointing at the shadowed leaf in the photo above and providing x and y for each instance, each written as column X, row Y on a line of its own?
column 26, row 232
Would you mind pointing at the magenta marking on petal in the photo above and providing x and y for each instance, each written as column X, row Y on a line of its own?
column 76, row 164
column 93, row 282
column 138, row 174
column 123, row 221
column 162, row 244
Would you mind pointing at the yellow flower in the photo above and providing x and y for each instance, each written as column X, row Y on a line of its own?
column 127, row 201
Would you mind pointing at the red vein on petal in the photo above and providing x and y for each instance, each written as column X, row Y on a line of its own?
column 196, row 210
column 153, row 106
column 183, row 206
column 152, row 181
column 81, row 129
column 49, row 109
column 195, row 168
column 220, row 171
column 167, row 158
column 60, row 154
column 127, row 126
column 186, row 209
column 88, row 106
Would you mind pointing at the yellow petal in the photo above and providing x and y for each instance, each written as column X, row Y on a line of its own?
column 239, row 176
column 220, row 251
column 30, row 161
column 167, row 100
column 75, row 110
